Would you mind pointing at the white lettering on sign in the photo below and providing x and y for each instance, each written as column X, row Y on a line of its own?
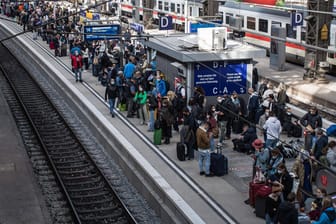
column 234, row 77
column 215, row 90
column 225, row 90
column 206, row 79
column 215, row 64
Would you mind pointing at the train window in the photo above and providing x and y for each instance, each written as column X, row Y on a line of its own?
column 160, row 5
column 276, row 23
column 178, row 8
column 190, row 11
column 172, row 7
column 251, row 23
column 227, row 17
column 183, row 9
column 263, row 25
column 303, row 33
column 291, row 33
column 166, row 6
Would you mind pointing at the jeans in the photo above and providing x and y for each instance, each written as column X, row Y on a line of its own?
column 151, row 120
column 112, row 102
column 204, row 159
column 78, row 73
column 143, row 113
column 270, row 143
column 268, row 219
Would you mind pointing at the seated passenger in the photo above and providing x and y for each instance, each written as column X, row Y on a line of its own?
column 244, row 142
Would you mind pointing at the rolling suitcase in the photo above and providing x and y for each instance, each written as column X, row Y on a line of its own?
column 260, row 207
column 218, row 164
column 157, row 136
column 253, row 188
column 181, row 151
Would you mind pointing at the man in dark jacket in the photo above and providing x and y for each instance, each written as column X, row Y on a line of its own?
column 321, row 142
column 311, row 121
column 287, row 213
column 111, row 93
column 244, row 142
column 252, row 105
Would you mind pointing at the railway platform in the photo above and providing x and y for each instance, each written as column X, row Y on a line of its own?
column 21, row 200
column 311, row 92
column 213, row 198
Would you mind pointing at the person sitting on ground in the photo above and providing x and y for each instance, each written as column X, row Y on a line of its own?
column 244, row 142
column 287, row 213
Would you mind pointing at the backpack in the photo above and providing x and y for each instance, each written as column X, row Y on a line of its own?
column 331, row 131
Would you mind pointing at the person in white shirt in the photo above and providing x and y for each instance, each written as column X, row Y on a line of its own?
column 273, row 130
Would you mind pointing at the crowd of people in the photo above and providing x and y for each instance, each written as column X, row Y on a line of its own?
column 134, row 83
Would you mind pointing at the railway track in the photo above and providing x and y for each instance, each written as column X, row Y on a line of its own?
column 89, row 197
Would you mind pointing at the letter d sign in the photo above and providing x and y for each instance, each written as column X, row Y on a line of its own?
column 296, row 19
column 166, row 23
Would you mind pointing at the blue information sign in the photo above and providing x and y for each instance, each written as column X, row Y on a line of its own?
column 219, row 77
column 195, row 26
column 165, row 23
column 139, row 28
column 296, row 19
column 102, row 32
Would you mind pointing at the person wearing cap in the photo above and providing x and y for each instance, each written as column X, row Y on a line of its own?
column 261, row 155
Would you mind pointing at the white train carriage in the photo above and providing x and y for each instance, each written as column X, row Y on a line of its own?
column 259, row 20
column 174, row 8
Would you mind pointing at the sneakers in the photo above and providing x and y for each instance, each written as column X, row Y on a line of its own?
column 202, row 173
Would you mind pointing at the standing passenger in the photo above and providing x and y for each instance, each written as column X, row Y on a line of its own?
column 77, row 64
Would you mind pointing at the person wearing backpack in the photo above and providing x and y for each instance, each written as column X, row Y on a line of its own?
column 328, row 215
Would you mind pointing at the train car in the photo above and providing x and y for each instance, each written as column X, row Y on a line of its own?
column 259, row 20
column 174, row 8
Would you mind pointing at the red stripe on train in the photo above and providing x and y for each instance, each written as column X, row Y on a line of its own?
column 267, row 39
